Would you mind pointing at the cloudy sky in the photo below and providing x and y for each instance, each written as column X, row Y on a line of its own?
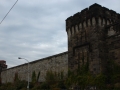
column 35, row 29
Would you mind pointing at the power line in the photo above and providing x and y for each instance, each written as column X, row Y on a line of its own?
column 8, row 12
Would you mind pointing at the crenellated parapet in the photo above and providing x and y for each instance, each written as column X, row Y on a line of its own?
column 95, row 15
column 93, row 36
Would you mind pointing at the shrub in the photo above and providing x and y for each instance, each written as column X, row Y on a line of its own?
column 33, row 77
column 38, row 76
column 44, row 86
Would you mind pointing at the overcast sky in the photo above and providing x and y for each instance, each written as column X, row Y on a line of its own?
column 35, row 29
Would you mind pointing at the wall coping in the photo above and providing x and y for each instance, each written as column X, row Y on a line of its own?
column 56, row 55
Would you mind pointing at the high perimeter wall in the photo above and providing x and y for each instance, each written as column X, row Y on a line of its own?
column 56, row 63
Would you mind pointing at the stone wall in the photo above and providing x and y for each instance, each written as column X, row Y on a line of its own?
column 93, row 39
column 56, row 63
column 113, row 41
column 89, row 41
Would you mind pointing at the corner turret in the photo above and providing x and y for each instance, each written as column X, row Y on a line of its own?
column 88, row 37
column 94, row 15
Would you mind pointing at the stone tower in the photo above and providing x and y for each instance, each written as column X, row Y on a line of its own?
column 3, row 65
column 93, row 38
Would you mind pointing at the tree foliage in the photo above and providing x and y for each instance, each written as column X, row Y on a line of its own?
column 38, row 76
column 33, row 77
column 80, row 79
column 16, row 78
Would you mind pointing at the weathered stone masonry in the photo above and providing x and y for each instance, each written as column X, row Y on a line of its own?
column 56, row 63
column 94, row 38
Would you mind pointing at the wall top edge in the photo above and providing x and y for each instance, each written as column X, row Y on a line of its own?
column 56, row 55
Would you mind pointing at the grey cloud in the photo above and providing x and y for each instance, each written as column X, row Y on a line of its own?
column 36, row 29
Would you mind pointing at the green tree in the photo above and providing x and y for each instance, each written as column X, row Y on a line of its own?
column 50, row 77
column 70, row 80
column 100, row 81
column 33, row 77
column 16, row 78
column 38, row 76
